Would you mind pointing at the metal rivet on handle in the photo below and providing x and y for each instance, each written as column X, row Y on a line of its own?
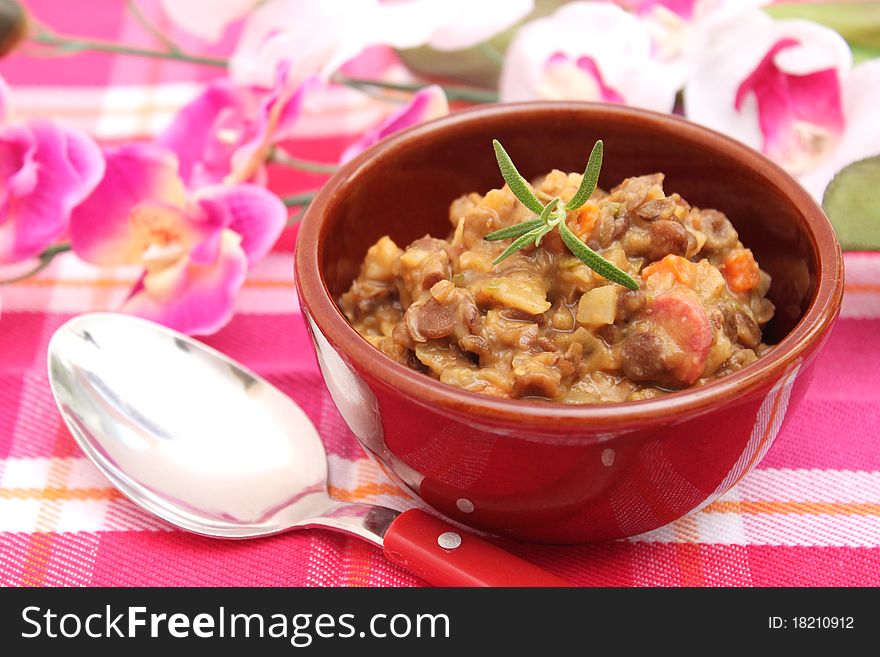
column 607, row 457
column 449, row 540
column 464, row 505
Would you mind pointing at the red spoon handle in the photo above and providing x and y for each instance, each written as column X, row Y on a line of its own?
column 444, row 555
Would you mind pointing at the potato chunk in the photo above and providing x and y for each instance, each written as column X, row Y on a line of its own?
column 519, row 292
column 598, row 307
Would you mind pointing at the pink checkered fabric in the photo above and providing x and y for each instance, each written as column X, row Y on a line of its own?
column 809, row 515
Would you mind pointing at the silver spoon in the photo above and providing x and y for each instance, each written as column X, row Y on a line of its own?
column 200, row 441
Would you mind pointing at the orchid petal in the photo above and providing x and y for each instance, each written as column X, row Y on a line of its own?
column 710, row 97
column 620, row 52
column 4, row 101
column 581, row 79
column 207, row 252
column 226, row 132
column 320, row 37
column 824, row 48
column 813, row 99
column 443, row 24
column 254, row 213
column 427, row 104
column 18, row 166
column 47, row 170
column 315, row 36
column 197, row 135
column 682, row 31
column 475, row 22
column 861, row 139
column 101, row 229
column 274, row 122
column 291, row 108
column 682, row 8
column 190, row 297
column 207, row 19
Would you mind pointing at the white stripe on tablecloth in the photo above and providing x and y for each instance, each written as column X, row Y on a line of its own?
column 19, row 508
column 862, row 298
column 763, row 484
column 800, row 485
column 70, row 296
column 128, row 111
column 269, row 288
column 18, row 512
column 820, row 530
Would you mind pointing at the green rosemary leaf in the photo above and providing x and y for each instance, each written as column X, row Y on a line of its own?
column 515, row 181
column 545, row 218
column 594, row 261
column 548, row 209
column 590, row 179
column 545, row 230
column 514, row 231
column 518, row 244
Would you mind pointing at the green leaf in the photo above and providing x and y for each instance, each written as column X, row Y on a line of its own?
column 515, row 181
column 590, row 179
column 852, row 204
column 518, row 244
column 594, row 261
column 857, row 22
column 514, row 231
column 863, row 53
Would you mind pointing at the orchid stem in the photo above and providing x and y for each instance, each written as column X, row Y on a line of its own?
column 44, row 260
column 69, row 45
column 280, row 156
column 452, row 92
column 296, row 200
column 301, row 200
column 296, row 216
column 147, row 24
column 491, row 53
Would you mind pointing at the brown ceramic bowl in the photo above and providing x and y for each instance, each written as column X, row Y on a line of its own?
column 551, row 472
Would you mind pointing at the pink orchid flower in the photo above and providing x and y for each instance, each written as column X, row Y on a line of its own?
column 427, row 104
column 226, row 132
column 320, row 37
column 682, row 30
column 593, row 51
column 792, row 94
column 45, row 170
column 194, row 247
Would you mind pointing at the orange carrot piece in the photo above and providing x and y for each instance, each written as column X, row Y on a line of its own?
column 741, row 271
column 681, row 269
column 586, row 219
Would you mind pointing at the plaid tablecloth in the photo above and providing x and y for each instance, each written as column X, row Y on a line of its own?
column 809, row 515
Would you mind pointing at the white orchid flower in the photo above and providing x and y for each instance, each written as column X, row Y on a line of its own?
column 788, row 88
column 319, row 37
column 206, row 19
column 681, row 30
column 592, row 51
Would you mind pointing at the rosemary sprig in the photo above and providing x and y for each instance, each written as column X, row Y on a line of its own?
column 514, row 231
column 528, row 231
column 553, row 215
column 590, row 179
column 515, row 181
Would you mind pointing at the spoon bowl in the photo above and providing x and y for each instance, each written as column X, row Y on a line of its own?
column 207, row 445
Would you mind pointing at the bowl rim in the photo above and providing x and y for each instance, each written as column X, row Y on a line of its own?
column 320, row 307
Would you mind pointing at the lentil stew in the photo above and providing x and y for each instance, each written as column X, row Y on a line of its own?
column 542, row 325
